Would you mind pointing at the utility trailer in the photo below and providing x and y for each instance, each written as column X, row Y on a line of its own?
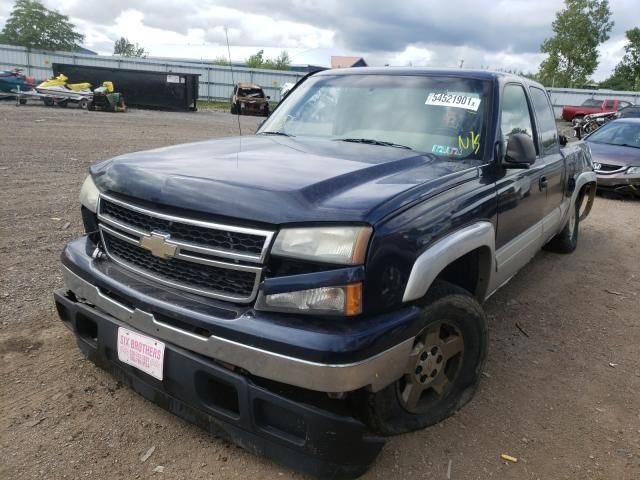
column 51, row 98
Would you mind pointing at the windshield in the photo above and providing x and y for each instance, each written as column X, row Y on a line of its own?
column 250, row 92
column 614, row 133
column 440, row 115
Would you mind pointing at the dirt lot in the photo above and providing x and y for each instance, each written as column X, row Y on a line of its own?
column 564, row 398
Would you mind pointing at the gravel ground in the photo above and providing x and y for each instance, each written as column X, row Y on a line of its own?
column 564, row 398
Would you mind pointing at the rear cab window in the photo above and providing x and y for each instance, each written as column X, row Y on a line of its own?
column 547, row 130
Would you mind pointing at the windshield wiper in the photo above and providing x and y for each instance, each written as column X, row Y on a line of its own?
column 276, row 133
column 371, row 141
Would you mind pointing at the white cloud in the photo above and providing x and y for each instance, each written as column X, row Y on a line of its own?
column 499, row 34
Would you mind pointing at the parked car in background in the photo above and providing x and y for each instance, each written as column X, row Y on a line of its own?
column 249, row 98
column 569, row 112
column 632, row 111
column 615, row 149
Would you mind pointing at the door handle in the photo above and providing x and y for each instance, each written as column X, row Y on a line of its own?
column 543, row 183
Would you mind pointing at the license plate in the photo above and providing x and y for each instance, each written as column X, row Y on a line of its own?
column 142, row 352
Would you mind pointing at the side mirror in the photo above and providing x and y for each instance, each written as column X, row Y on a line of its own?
column 521, row 152
column 563, row 140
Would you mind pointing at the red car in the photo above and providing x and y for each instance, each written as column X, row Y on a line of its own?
column 592, row 106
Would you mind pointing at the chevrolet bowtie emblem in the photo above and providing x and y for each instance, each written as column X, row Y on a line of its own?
column 157, row 244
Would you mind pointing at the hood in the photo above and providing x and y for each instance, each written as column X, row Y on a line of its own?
column 251, row 99
column 614, row 154
column 280, row 180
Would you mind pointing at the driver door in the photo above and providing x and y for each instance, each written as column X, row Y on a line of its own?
column 521, row 193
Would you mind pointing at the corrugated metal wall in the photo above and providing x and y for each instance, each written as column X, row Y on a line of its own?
column 215, row 81
column 574, row 96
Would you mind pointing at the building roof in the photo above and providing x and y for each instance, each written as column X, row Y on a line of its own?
column 346, row 62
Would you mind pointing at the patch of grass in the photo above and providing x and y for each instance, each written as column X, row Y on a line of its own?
column 214, row 105
column 222, row 105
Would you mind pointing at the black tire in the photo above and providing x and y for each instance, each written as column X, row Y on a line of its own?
column 23, row 101
column 447, row 306
column 91, row 106
column 48, row 102
column 567, row 240
column 83, row 103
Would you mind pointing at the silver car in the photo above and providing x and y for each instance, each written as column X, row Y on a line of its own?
column 615, row 148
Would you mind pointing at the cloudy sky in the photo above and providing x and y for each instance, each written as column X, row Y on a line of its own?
column 483, row 33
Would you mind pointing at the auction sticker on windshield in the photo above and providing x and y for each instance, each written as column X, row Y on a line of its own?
column 458, row 100
column 144, row 353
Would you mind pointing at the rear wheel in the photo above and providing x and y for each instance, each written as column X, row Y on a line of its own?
column 443, row 370
column 48, row 101
column 567, row 240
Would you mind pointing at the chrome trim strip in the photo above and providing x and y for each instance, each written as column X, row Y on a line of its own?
column 121, row 236
column 611, row 172
column 444, row 251
column 122, row 226
column 374, row 373
column 267, row 234
column 180, row 286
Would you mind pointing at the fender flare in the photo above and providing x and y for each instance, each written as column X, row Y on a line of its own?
column 445, row 251
column 583, row 179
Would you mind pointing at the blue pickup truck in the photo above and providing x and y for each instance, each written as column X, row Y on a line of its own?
column 310, row 289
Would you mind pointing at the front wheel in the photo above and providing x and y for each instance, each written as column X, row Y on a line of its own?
column 443, row 370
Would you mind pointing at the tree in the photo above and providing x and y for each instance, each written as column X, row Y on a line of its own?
column 573, row 51
column 125, row 48
column 626, row 75
column 222, row 61
column 281, row 62
column 257, row 60
column 34, row 26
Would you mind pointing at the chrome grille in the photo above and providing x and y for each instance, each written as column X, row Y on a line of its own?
column 606, row 168
column 211, row 259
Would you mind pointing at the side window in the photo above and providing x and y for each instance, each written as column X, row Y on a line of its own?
column 622, row 105
column 546, row 122
column 609, row 104
column 516, row 117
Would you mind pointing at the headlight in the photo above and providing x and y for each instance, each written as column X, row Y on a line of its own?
column 633, row 170
column 341, row 245
column 342, row 300
column 89, row 194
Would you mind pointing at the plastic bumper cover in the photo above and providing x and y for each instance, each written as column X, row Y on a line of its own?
column 295, row 434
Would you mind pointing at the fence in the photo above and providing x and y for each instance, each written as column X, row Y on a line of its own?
column 574, row 96
column 215, row 81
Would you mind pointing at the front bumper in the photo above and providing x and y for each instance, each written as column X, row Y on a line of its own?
column 199, row 390
column 619, row 182
column 316, row 354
